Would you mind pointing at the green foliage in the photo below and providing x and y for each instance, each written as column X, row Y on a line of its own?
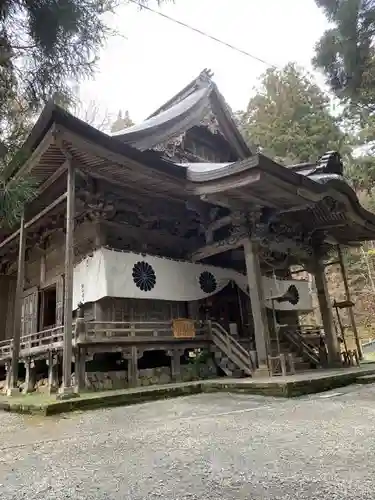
column 346, row 55
column 12, row 198
column 289, row 118
column 46, row 47
column 346, row 50
column 199, row 356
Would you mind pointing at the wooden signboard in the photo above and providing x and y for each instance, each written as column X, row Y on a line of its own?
column 183, row 328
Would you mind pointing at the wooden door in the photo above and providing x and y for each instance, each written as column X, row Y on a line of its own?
column 29, row 313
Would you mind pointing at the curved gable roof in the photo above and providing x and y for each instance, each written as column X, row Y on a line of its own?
column 185, row 110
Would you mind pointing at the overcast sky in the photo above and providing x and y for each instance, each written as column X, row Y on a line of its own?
column 158, row 57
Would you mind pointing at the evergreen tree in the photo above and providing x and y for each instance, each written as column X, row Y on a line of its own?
column 46, row 46
column 289, row 118
column 346, row 51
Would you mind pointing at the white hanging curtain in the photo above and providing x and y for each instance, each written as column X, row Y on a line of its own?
column 109, row 273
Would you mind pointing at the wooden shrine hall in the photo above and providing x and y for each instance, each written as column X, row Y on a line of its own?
column 168, row 238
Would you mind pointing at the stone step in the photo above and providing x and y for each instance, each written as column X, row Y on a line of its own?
column 302, row 366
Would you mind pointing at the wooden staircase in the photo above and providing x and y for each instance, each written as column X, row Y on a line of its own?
column 305, row 353
column 229, row 354
column 235, row 361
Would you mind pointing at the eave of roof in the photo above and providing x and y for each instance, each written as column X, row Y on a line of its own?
column 319, row 183
column 54, row 114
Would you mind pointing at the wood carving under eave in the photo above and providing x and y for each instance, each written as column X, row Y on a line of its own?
column 234, row 241
column 169, row 147
column 95, row 204
column 145, row 236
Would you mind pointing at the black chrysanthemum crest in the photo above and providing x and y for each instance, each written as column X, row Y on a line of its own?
column 293, row 291
column 207, row 282
column 144, row 276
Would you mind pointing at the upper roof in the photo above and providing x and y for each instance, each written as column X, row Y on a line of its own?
column 125, row 157
column 184, row 111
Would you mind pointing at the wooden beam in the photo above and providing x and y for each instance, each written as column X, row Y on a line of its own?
column 151, row 236
column 32, row 221
column 227, row 183
column 16, row 334
column 68, row 292
column 219, row 247
column 223, row 201
column 136, row 189
column 219, row 223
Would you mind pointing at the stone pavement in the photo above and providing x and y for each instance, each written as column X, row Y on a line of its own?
column 206, row 446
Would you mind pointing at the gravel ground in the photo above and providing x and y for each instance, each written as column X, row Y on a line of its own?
column 209, row 446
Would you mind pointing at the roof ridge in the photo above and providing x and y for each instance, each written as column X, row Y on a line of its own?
column 204, row 78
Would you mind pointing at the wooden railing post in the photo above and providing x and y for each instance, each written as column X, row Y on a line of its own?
column 209, row 328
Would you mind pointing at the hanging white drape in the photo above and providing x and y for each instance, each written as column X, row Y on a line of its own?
column 109, row 273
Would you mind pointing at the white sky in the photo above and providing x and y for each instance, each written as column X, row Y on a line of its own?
column 159, row 57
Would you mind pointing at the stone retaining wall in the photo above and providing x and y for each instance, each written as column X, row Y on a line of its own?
column 101, row 381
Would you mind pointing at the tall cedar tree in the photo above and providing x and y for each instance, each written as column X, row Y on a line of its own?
column 346, row 51
column 346, row 54
column 289, row 118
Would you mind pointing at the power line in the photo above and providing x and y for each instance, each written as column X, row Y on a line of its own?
column 203, row 33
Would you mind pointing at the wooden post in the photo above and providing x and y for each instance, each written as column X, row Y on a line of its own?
column 132, row 355
column 175, row 355
column 30, row 376
column 68, row 293
column 258, row 307
column 8, row 373
column 53, row 381
column 134, row 366
column 351, row 312
column 325, row 306
column 80, row 368
column 18, row 309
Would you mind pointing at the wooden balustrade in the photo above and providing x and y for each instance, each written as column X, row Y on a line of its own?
column 231, row 348
column 101, row 332
column 131, row 331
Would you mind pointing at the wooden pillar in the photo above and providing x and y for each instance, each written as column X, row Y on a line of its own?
column 175, row 355
column 30, row 378
column 348, row 298
column 8, row 373
column 53, row 381
column 16, row 333
column 326, row 313
column 68, row 293
column 132, row 357
column 258, row 308
column 80, row 368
